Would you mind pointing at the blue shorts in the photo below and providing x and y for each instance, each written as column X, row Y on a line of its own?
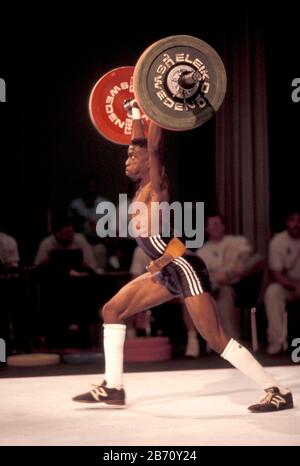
column 185, row 276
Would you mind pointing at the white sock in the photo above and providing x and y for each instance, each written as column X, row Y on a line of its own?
column 114, row 337
column 243, row 360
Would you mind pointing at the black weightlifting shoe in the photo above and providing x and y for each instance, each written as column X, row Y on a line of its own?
column 113, row 397
column 274, row 400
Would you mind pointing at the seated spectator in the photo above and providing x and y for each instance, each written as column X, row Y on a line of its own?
column 11, row 291
column 64, row 238
column 9, row 254
column 284, row 265
column 66, row 307
column 82, row 211
column 229, row 259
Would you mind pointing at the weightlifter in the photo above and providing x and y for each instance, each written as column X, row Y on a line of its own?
column 184, row 275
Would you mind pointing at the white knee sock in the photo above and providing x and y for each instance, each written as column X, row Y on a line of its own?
column 243, row 360
column 114, row 337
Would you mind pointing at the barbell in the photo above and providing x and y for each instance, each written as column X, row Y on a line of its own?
column 179, row 82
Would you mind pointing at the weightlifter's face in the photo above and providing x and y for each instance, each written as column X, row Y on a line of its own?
column 137, row 163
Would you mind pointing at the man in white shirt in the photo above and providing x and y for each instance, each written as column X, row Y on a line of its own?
column 226, row 258
column 64, row 238
column 284, row 265
column 9, row 260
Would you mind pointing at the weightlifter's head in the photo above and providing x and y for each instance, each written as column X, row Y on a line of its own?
column 137, row 163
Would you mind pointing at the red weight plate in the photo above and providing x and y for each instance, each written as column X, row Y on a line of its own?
column 106, row 105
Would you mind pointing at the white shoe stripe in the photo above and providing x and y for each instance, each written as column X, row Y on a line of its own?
column 279, row 399
column 97, row 392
